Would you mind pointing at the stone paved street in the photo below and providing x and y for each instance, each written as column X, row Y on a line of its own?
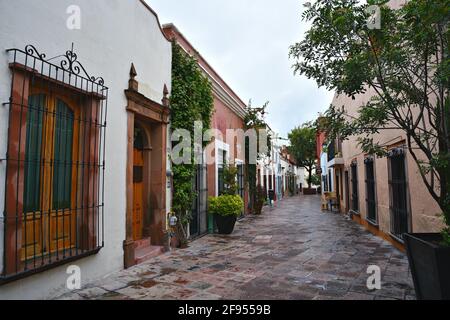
column 293, row 251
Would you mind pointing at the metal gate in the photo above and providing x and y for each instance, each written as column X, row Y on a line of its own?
column 199, row 223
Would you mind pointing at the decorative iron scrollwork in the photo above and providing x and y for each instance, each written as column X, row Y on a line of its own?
column 32, row 51
column 69, row 63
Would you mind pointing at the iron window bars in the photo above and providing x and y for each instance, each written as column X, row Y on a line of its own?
column 398, row 193
column 54, row 165
column 369, row 163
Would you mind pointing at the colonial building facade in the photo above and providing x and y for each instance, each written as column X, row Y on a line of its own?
column 83, row 162
column 387, row 195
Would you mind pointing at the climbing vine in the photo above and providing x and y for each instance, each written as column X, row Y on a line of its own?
column 191, row 100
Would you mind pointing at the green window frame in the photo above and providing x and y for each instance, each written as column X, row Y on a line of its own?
column 33, row 152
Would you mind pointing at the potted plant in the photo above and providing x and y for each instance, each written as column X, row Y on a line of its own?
column 429, row 259
column 226, row 209
column 260, row 200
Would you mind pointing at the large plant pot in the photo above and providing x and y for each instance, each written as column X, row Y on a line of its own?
column 225, row 224
column 309, row 192
column 430, row 265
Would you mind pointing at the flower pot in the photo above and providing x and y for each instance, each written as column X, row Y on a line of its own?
column 225, row 224
column 430, row 265
column 183, row 245
column 309, row 191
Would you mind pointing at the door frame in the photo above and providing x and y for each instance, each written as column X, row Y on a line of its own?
column 153, row 117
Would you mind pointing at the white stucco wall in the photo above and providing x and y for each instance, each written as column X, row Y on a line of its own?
column 114, row 33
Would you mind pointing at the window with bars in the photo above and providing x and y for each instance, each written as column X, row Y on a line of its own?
column 55, row 163
column 398, row 193
column 221, row 166
column 198, row 223
column 355, row 194
column 370, row 190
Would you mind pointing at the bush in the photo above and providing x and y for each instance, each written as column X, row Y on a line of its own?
column 230, row 173
column 226, row 205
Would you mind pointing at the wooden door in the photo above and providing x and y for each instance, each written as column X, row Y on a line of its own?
column 138, row 192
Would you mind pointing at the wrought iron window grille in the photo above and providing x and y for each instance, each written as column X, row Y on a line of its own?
column 399, row 211
column 54, row 163
column 355, row 186
column 371, row 200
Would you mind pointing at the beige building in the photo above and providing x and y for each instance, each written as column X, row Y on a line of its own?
column 386, row 195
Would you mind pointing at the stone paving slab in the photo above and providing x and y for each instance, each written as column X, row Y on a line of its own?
column 292, row 251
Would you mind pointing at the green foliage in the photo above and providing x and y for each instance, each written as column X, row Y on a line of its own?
column 303, row 147
column 191, row 100
column 316, row 180
column 405, row 64
column 229, row 177
column 226, row 205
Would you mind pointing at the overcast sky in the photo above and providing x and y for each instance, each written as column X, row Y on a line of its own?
column 247, row 43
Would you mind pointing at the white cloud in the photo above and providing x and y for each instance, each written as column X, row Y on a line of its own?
column 247, row 43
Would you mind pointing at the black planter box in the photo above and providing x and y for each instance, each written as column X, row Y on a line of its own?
column 225, row 224
column 430, row 265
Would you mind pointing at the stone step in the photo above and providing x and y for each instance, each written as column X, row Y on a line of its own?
column 139, row 244
column 146, row 253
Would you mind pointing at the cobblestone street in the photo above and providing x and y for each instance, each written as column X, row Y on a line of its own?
column 293, row 251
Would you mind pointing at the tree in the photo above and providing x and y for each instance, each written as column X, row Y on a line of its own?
column 303, row 148
column 405, row 63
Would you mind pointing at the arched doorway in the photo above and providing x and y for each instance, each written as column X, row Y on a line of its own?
column 138, row 183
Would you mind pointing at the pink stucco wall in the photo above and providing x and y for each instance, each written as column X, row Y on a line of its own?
column 223, row 117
